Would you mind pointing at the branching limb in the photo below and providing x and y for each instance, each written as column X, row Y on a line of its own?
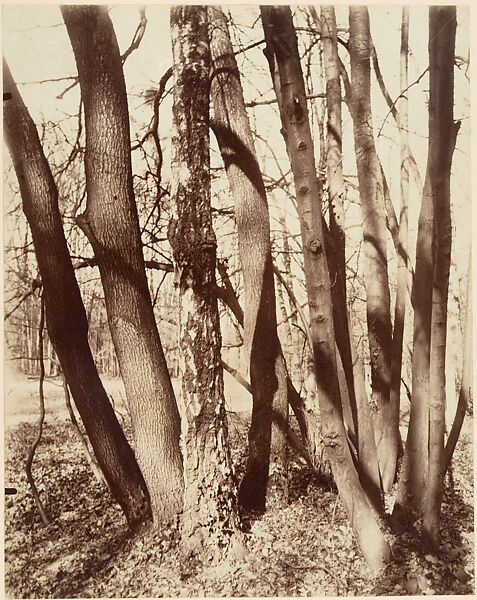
column 138, row 35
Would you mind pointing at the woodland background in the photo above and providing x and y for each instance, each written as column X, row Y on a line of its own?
column 253, row 271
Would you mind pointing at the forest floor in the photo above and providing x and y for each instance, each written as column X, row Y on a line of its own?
column 304, row 549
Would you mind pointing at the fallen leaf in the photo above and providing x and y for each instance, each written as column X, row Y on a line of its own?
column 461, row 575
column 422, row 582
column 411, row 586
column 432, row 559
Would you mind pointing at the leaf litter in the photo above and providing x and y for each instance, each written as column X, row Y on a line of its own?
column 304, row 549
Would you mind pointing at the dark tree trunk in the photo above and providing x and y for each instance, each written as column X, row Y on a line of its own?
column 282, row 44
column 374, row 240
column 210, row 524
column 267, row 457
column 65, row 313
column 442, row 134
column 111, row 224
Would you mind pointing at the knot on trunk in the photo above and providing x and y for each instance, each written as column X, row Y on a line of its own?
column 315, row 246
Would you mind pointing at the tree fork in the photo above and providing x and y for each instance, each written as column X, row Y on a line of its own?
column 111, row 224
column 64, row 306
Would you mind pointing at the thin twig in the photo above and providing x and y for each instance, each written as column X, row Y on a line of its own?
column 297, row 306
column 19, row 303
column 138, row 35
column 275, row 101
column 41, row 418
column 89, row 456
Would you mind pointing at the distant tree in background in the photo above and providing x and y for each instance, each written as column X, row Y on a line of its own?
column 297, row 236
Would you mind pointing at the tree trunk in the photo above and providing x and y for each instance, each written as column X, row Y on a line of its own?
column 374, row 241
column 362, row 423
column 402, row 252
column 428, row 311
column 443, row 133
column 210, row 519
column 282, row 44
column 111, row 224
column 266, row 475
column 465, row 393
column 64, row 307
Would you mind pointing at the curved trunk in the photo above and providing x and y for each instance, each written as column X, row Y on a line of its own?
column 267, row 458
column 65, row 313
column 282, row 45
column 111, row 224
column 210, row 519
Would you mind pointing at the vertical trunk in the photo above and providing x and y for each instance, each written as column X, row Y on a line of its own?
column 64, row 307
column 428, row 315
column 365, row 442
column 282, row 44
column 374, row 236
column 442, row 31
column 266, row 466
column 402, row 247
column 111, row 224
column 210, row 519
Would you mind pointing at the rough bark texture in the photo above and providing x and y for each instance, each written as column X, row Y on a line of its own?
column 65, row 313
column 443, row 132
column 111, row 224
column 402, row 253
column 282, row 43
column 267, row 452
column 210, row 519
column 374, row 234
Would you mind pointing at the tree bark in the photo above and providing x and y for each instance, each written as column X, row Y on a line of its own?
column 374, row 241
column 442, row 32
column 362, row 423
column 111, row 224
column 282, row 44
column 210, row 523
column 428, row 317
column 266, row 475
column 65, row 313
column 402, row 254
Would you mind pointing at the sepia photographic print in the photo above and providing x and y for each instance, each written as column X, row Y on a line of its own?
column 237, row 300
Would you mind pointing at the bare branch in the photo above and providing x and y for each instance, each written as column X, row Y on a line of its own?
column 41, row 418
column 138, row 35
